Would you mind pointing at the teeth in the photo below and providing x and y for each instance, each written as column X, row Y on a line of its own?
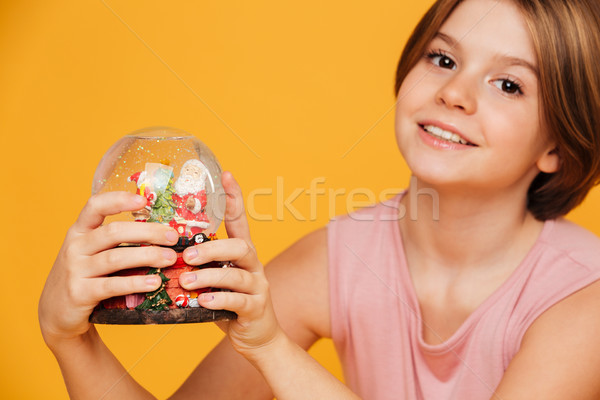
column 442, row 134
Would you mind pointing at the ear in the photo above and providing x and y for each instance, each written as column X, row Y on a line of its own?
column 549, row 162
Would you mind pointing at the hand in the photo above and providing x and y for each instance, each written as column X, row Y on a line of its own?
column 78, row 281
column 256, row 325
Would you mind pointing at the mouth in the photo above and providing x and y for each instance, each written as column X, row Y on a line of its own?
column 448, row 136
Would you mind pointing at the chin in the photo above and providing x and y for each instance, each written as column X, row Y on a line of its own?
column 435, row 181
column 438, row 176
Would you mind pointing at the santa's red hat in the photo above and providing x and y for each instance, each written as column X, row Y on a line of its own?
column 138, row 178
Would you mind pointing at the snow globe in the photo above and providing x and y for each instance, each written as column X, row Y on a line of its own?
column 181, row 180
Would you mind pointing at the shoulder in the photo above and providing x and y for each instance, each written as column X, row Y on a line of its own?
column 369, row 237
column 574, row 242
column 577, row 252
column 374, row 221
column 560, row 352
column 565, row 260
column 298, row 278
column 382, row 211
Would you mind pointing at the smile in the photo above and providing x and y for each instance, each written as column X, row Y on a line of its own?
column 444, row 135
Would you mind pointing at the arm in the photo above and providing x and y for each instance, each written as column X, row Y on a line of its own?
column 275, row 347
column 90, row 370
column 297, row 276
column 78, row 282
column 560, row 353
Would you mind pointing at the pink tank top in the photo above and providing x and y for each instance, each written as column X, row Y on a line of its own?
column 375, row 317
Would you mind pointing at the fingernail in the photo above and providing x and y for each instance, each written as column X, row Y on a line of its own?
column 206, row 298
column 152, row 280
column 171, row 236
column 191, row 252
column 187, row 278
column 141, row 200
column 167, row 254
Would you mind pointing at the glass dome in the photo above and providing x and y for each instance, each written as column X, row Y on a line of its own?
column 177, row 173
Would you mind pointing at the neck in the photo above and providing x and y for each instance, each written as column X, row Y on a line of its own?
column 458, row 230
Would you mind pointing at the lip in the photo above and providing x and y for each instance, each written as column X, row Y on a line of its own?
column 441, row 142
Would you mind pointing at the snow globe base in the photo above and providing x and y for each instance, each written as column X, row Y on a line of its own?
column 146, row 317
column 170, row 303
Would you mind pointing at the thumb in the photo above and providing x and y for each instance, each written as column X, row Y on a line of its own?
column 236, row 223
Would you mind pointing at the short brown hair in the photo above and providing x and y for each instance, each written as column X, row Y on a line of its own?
column 566, row 37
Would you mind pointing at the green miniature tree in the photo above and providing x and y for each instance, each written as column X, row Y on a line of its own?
column 163, row 209
column 158, row 299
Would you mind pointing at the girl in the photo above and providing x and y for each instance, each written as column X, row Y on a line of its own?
column 466, row 286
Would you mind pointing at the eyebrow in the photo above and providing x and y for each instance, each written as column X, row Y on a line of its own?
column 453, row 43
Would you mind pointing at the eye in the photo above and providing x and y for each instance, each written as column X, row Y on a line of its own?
column 439, row 59
column 508, row 86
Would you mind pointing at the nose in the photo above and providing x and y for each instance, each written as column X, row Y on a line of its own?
column 458, row 92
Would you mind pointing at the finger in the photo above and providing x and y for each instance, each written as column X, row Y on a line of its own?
column 98, row 289
column 242, row 304
column 115, row 233
column 235, row 279
column 236, row 250
column 117, row 259
column 102, row 205
column 236, row 223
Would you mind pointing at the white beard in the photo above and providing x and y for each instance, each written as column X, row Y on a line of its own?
column 186, row 184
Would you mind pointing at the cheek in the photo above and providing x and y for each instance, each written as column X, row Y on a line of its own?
column 400, row 121
column 418, row 91
column 515, row 127
column 411, row 98
column 413, row 80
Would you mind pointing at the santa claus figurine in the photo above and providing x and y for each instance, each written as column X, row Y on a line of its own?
column 139, row 178
column 190, row 198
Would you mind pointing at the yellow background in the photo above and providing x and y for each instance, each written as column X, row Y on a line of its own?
column 296, row 90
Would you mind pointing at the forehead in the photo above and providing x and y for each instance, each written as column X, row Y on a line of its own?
column 491, row 27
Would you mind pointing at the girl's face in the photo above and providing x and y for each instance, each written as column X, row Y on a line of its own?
column 468, row 113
